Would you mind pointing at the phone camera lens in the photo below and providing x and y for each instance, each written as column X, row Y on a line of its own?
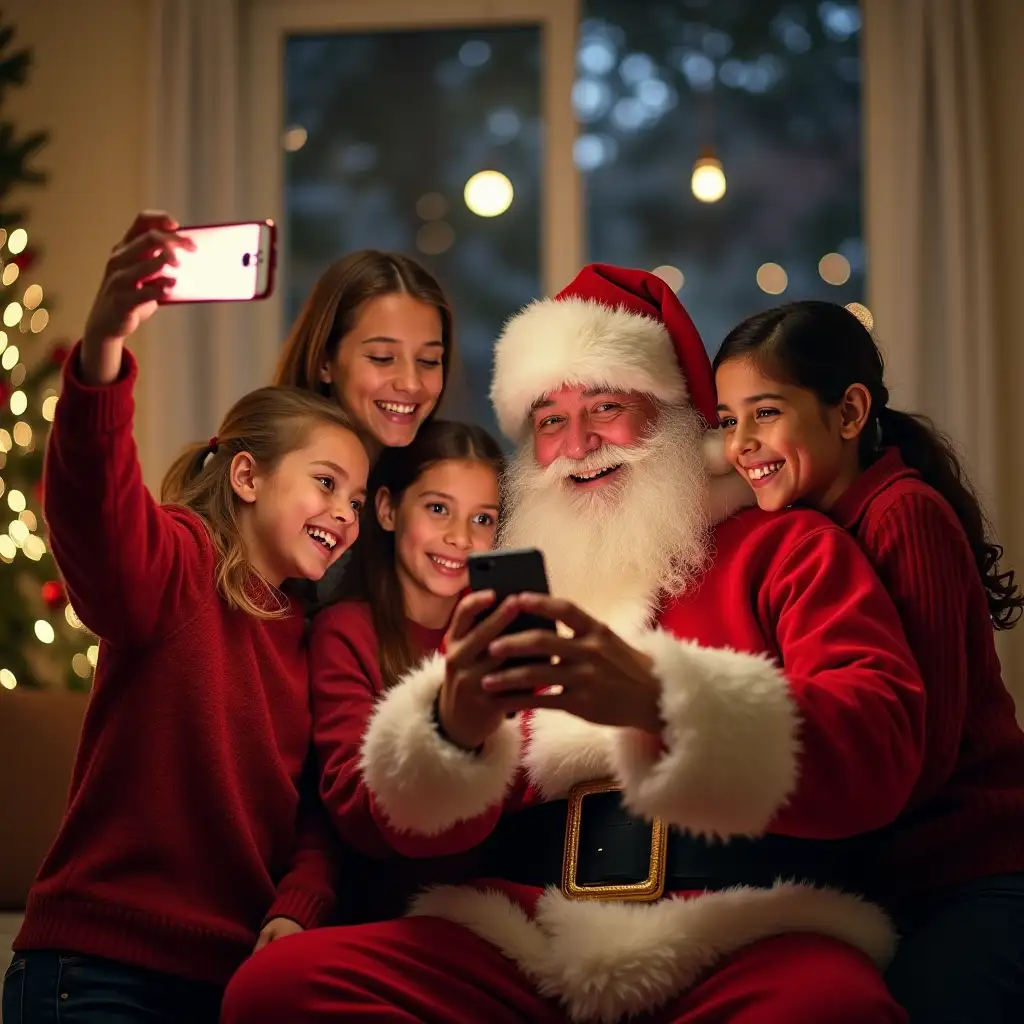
column 246, row 260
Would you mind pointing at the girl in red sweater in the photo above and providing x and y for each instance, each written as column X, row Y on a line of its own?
column 185, row 843
column 431, row 504
column 805, row 417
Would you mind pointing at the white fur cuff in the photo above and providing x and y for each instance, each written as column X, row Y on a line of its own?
column 730, row 757
column 421, row 782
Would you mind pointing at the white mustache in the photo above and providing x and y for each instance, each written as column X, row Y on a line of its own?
column 605, row 457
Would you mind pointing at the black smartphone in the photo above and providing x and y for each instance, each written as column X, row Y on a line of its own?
column 516, row 571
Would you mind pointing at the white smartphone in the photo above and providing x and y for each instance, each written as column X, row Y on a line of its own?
column 230, row 263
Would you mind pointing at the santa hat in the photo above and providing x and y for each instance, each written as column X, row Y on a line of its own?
column 613, row 328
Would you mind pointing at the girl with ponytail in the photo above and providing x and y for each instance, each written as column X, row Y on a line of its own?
column 805, row 417
column 192, row 834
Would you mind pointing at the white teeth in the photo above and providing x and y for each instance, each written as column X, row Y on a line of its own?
column 448, row 563
column 594, row 474
column 327, row 539
column 759, row 472
column 404, row 410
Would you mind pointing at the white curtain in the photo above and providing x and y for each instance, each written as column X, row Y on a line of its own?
column 930, row 245
column 194, row 359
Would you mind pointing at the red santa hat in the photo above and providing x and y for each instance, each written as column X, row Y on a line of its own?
column 613, row 328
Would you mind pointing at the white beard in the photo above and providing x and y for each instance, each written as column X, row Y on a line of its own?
column 614, row 550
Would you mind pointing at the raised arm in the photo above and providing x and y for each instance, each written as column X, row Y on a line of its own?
column 127, row 562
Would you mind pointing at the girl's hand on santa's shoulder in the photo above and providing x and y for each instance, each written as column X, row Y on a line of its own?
column 277, row 928
column 593, row 674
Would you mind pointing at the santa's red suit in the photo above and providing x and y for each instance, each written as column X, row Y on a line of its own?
column 793, row 717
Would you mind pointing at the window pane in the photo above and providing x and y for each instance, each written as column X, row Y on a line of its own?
column 773, row 88
column 384, row 130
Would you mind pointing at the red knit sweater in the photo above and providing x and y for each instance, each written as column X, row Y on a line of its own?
column 965, row 819
column 345, row 681
column 180, row 834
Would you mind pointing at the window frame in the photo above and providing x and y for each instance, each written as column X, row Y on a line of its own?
column 266, row 24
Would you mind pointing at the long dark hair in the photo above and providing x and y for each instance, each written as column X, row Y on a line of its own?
column 373, row 576
column 824, row 348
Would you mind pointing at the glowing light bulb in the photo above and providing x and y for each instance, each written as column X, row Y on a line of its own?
column 708, row 179
column 488, row 193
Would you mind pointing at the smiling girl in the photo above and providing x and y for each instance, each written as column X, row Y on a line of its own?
column 375, row 335
column 430, row 506
column 805, row 414
column 186, row 841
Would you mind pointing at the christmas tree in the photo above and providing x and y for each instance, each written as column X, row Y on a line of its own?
column 42, row 641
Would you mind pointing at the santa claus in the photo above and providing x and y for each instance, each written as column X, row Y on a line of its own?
column 671, row 801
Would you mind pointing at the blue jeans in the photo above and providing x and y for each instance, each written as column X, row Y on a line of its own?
column 961, row 959
column 43, row 987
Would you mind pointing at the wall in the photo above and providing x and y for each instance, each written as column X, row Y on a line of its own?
column 89, row 89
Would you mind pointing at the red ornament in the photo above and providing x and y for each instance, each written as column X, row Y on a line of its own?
column 53, row 595
column 25, row 259
column 59, row 354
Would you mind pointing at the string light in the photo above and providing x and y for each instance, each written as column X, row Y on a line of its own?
column 33, row 547
column 22, row 433
column 771, row 278
column 11, row 272
column 10, row 357
column 18, row 532
column 44, row 632
column 72, row 617
column 80, row 665
column 13, row 314
column 8, row 549
column 6, row 443
column 19, row 403
column 33, row 296
column 28, row 517
column 16, row 501
column 7, row 679
column 49, row 409
column 834, row 268
column 17, row 242
column 40, row 318
column 93, row 654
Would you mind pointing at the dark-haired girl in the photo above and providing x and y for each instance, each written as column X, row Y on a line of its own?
column 805, row 416
column 430, row 505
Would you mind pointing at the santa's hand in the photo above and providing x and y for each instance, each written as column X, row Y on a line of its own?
column 467, row 713
column 597, row 676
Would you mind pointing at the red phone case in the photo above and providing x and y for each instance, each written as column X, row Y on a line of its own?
column 271, row 268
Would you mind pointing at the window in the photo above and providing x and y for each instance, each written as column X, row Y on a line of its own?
column 375, row 123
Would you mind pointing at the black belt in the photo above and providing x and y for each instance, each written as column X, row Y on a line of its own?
column 614, row 850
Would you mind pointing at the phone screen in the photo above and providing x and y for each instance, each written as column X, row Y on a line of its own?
column 231, row 263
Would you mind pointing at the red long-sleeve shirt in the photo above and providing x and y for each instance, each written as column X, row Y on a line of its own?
column 965, row 818
column 180, row 836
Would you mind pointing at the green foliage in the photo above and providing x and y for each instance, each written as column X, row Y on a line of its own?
column 41, row 641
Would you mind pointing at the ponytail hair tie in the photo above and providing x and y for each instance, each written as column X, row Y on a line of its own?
column 213, row 444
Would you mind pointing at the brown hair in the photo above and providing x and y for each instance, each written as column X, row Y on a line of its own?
column 331, row 309
column 268, row 423
column 373, row 576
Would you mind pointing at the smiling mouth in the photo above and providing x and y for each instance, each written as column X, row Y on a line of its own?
column 327, row 540
column 451, row 565
column 764, row 471
column 401, row 410
column 596, row 474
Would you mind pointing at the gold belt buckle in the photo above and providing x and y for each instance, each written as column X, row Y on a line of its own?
column 651, row 888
